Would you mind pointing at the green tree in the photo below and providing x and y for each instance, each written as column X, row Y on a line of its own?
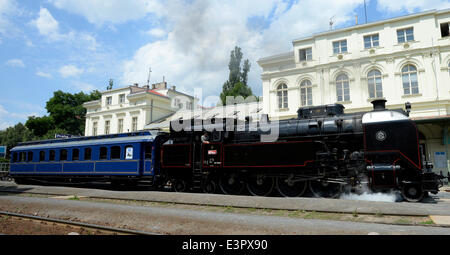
column 236, row 85
column 67, row 110
column 66, row 115
column 110, row 85
column 40, row 125
column 14, row 135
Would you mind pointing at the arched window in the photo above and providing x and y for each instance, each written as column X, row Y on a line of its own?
column 342, row 88
column 282, row 94
column 306, row 92
column 375, row 84
column 409, row 78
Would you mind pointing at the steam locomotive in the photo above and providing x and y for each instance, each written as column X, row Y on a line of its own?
column 323, row 150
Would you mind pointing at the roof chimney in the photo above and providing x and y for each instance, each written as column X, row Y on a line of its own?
column 379, row 105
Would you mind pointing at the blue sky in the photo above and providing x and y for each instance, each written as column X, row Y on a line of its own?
column 78, row 45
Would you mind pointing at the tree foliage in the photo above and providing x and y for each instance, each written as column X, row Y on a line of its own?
column 236, row 85
column 14, row 135
column 66, row 115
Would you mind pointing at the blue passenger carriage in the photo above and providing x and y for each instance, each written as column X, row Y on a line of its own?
column 119, row 158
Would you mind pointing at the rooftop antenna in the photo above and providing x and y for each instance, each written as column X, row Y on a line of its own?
column 331, row 22
column 149, row 73
column 365, row 10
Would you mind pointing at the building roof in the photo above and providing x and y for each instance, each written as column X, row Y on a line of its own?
column 238, row 111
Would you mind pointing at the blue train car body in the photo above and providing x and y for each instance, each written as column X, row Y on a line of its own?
column 119, row 156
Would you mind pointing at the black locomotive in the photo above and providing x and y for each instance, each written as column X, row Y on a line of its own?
column 323, row 149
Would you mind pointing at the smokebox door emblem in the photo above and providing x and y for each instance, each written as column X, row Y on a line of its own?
column 380, row 135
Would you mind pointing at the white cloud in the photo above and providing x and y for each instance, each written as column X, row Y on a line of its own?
column 15, row 63
column 9, row 119
column 112, row 11
column 199, row 39
column 46, row 24
column 7, row 8
column 70, row 70
column 43, row 74
column 156, row 32
column 83, row 86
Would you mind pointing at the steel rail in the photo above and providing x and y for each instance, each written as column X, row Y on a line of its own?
column 79, row 224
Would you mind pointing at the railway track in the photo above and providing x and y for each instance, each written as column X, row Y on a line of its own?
column 109, row 230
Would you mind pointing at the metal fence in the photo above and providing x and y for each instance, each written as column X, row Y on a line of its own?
column 4, row 170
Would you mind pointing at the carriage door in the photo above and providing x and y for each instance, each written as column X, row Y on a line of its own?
column 148, row 166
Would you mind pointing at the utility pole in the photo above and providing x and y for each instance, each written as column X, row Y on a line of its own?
column 365, row 10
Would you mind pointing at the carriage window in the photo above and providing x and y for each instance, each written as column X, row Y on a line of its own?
column 41, row 155
column 22, row 157
column 103, row 153
column 15, row 157
column 129, row 152
column 52, row 155
column 30, row 156
column 75, row 154
column 87, row 154
column 63, row 155
column 115, row 152
column 148, row 151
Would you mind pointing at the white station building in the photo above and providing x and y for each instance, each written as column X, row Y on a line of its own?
column 404, row 59
column 129, row 109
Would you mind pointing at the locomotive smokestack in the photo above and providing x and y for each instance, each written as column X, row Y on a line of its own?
column 379, row 105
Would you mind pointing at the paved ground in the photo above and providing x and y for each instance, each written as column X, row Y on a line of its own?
column 435, row 205
column 193, row 222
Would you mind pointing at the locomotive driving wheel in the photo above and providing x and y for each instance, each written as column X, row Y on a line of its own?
column 324, row 188
column 260, row 185
column 287, row 187
column 231, row 184
column 180, row 185
column 209, row 186
column 413, row 192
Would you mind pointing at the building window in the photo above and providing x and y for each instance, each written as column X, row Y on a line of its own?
column 409, row 78
column 371, row 41
column 120, row 126
column 121, row 98
column 109, row 101
column 107, row 122
column 375, row 84
column 342, row 88
column 445, row 31
column 306, row 92
column 282, row 94
column 134, row 124
column 94, row 128
column 340, row 47
column 305, row 54
column 405, row 35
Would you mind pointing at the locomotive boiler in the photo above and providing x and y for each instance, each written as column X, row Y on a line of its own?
column 323, row 150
